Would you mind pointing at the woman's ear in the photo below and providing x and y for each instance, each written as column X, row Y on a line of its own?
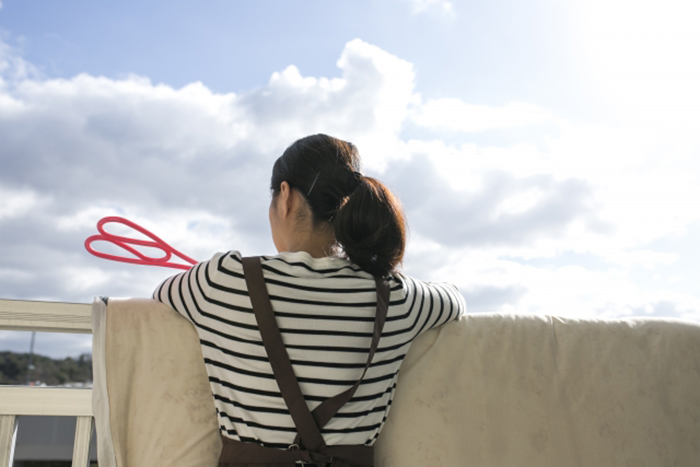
column 284, row 201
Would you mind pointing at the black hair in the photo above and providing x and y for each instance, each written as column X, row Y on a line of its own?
column 366, row 217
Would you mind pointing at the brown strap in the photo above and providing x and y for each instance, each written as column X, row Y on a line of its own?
column 277, row 354
column 237, row 453
column 328, row 408
column 308, row 424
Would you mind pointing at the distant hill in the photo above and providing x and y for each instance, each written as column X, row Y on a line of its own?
column 13, row 369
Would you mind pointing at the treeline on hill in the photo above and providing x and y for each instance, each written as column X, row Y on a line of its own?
column 13, row 369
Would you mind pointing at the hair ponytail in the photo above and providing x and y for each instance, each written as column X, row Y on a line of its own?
column 366, row 217
column 370, row 228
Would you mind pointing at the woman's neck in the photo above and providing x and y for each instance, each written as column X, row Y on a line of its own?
column 317, row 244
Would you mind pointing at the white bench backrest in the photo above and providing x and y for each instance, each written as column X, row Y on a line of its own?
column 21, row 315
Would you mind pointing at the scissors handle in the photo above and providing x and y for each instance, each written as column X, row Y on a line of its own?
column 126, row 242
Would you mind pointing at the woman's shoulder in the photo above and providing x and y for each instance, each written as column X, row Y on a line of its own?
column 223, row 261
column 423, row 287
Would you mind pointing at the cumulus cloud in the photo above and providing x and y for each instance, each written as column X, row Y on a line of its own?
column 420, row 6
column 15, row 203
column 643, row 58
column 489, row 298
column 188, row 163
column 369, row 102
column 12, row 66
column 193, row 166
column 456, row 115
column 505, row 210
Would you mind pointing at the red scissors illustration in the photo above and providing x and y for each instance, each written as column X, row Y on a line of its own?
column 126, row 242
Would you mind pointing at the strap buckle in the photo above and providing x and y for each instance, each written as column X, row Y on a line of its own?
column 295, row 447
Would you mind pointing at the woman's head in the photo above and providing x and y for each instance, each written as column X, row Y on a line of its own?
column 364, row 215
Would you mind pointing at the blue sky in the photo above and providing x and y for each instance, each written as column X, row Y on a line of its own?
column 486, row 53
column 546, row 151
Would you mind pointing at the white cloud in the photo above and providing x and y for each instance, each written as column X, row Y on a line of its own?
column 16, row 203
column 520, row 202
column 12, row 66
column 189, row 164
column 367, row 105
column 494, row 284
column 642, row 57
column 456, row 115
column 564, row 224
column 640, row 186
column 420, row 6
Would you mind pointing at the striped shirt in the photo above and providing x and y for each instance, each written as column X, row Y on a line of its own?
column 325, row 310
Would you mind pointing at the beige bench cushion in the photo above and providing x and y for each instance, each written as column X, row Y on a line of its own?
column 488, row 390
column 160, row 408
column 505, row 390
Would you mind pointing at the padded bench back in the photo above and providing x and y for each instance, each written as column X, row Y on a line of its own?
column 488, row 390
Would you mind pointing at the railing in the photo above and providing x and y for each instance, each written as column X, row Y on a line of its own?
column 19, row 315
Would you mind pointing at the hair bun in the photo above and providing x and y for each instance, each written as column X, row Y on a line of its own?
column 354, row 181
column 371, row 229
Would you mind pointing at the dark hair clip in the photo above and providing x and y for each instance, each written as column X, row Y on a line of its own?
column 313, row 184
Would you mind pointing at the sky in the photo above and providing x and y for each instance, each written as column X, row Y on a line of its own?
column 545, row 151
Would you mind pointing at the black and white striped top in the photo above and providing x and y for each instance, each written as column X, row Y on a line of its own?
column 325, row 310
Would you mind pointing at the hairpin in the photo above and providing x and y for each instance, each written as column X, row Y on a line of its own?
column 314, row 183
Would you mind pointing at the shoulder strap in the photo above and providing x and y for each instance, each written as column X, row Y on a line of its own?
column 328, row 408
column 308, row 424
column 277, row 354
